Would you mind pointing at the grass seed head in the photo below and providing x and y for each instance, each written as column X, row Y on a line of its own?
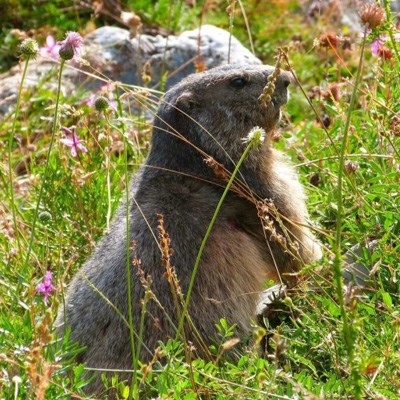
column 218, row 169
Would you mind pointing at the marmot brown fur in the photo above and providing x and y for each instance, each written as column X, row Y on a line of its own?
column 206, row 115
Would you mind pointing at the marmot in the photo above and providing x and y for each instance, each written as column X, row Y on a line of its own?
column 206, row 116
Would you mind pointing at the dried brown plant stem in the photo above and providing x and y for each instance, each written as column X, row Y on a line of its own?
column 269, row 89
column 285, row 56
column 231, row 12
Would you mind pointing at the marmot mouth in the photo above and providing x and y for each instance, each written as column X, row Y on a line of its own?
column 272, row 112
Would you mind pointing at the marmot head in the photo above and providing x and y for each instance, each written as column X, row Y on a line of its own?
column 216, row 109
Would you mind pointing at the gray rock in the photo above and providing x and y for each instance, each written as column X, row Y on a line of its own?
column 123, row 59
column 111, row 52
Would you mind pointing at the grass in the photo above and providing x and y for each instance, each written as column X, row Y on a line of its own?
column 324, row 343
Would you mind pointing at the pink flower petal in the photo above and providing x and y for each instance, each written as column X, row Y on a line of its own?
column 82, row 148
column 74, row 142
column 67, row 142
column 50, row 42
column 72, row 41
column 375, row 46
column 46, row 287
column 67, row 130
column 40, row 288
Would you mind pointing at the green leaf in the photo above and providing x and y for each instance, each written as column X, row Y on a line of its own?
column 387, row 300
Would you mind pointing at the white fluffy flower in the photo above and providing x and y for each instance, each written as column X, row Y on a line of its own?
column 255, row 136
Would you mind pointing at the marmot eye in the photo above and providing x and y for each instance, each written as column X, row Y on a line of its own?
column 239, row 83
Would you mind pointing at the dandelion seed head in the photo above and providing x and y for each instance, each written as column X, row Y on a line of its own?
column 256, row 135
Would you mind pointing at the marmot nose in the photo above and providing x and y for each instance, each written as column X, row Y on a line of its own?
column 284, row 79
column 280, row 96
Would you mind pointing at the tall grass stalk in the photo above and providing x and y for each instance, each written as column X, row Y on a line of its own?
column 348, row 329
column 10, row 144
column 44, row 178
column 390, row 30
column 231, row 12
column 133, row 393
column 253, row 142
column 134, row 389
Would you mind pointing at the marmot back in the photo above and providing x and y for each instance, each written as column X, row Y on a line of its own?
column 205, row 117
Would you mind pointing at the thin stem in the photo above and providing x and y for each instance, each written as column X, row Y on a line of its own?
column 390, row 30
column 208, row 233
column 53, row 133
column 133, row 393
column 337, row 263
column 10, row 168
column 296, row 79
column 231, row 8
column 246, row 21
column 108, row 177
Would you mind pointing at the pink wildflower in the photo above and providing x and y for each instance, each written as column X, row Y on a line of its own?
column 379, row 44
column 73, row 142
column 71, row 47
column 89, row 101
column 46, row 287
column 51, row 48
column 375, row 46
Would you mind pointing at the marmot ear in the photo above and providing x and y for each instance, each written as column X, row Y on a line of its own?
column 186, row 102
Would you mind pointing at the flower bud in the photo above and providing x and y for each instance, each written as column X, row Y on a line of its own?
column 45, row 216
column 350, row 167
column 28, row 49
column 101, row 104
column 71, row 46
column 66, row 52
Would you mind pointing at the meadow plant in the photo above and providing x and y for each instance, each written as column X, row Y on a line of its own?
column 51, row 48
column 327, row 340
column 69, row 48
column 28, row 51
column 72, row 141
column 46, row 287
column 101, row 104
column 254, row 139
